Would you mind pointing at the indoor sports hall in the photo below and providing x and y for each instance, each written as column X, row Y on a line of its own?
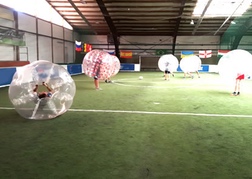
column 115, row 89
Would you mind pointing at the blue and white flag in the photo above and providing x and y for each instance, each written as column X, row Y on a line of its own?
column 111, row 52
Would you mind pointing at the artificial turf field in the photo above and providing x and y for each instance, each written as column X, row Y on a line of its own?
column 135, row 129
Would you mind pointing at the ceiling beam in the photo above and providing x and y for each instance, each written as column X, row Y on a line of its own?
column 82, row 16
column 177, row 25
column 228, row 18
column 201, row 17
column 111, row 25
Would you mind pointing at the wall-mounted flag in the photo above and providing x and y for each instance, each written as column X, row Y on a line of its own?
column 186, row 53
column 222, row 52
column 205, row 53
column 125, row 54
column 87, row 47
column 77, row 46
column 111, row 52
column 161, row 52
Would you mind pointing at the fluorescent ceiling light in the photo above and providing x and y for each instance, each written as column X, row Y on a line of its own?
column 222, row 8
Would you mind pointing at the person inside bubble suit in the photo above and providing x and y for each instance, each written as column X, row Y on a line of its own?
column 43, row 99
column 43, row 94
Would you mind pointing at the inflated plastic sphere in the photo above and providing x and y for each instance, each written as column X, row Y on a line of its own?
column 26, row 101
column 98, row 63
column 233, row 63
column 170, row 59
column 190, row 64
column 115, row 65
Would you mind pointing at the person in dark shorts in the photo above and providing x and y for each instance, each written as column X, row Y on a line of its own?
column 240, row 77
column 167, row 72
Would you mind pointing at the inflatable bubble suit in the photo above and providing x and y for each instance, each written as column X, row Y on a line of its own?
column 233, row 63
column 190, row 64
column 115, row 65
column 26, row 101
column 168, row 59
column 98, row 63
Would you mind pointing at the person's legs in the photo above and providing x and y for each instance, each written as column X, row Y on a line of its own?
column 96, row 83
column 184, row 75
column 198, row 73
column 166, row 74
column 236, row 86
column 191, row 76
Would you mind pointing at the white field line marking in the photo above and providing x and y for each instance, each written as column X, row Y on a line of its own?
column 148, row 112
column 187, row 83
column 161, row 113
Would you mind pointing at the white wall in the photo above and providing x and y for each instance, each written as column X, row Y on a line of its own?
column 44, row 40
column 58, row 51
column 57, row 31
column 44, row 28
column 30, row 48
column 69, row 50
column 26, row 22
column 7, row 53
column 45, row 48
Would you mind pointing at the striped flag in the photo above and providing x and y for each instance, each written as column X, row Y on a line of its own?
column 205, row 53
column 77, row 46
column 222, row 52
column 87, row 47
column 125, row 54
column 186, row 53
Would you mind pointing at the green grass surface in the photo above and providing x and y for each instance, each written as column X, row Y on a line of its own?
column 135, row 129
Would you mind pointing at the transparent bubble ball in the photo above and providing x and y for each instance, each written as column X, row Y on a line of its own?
column 98, row 63
column 233, row 63
column 190, row 64
column 168, row 59
column 26, row 101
